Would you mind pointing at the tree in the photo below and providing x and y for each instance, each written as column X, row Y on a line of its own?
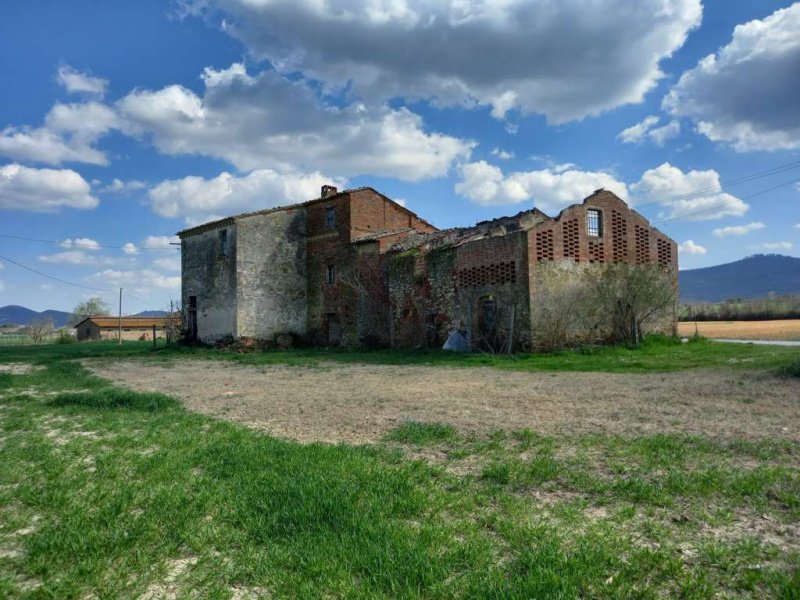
column 41, row 329
column 93, row 307
column 635, row 298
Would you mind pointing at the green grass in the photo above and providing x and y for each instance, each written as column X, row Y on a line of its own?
column 110, row 493
column 657, row 354
column 414, row 432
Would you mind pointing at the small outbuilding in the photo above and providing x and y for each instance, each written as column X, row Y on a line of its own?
column 133, row 328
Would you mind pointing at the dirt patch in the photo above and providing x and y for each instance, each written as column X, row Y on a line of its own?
column 360, row 403
column 18, row 368
column 785, row 329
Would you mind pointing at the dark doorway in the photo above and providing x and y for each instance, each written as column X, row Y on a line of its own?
column 193, row 318
column 334, row 328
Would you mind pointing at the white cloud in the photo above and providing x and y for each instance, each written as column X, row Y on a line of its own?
column 774, row 246
column 194, row 197
column 549, row 189
column 689, row 247
column 797, row 226
column 79, row 82
column 76, row 257
column 172, row 263
column 558, row 186
column 152, row 242
column 553, row 58
column 43, row 190
column 130, row 248
column 502, row 154
column 44, row 146
column 142, row 282
column 748, row 93
column 267, row 120
column 647, row 129
column 69, row 134
column 117, row 186
column 82, row 243
column 694, row 196
column 738, row 229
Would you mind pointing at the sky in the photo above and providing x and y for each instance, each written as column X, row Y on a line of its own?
column 122, row 123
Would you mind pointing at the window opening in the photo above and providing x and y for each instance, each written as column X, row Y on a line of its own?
column 330, row 217
column 594, row 222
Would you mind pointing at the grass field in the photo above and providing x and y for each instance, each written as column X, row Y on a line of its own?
column 111, row 493
column 787, row 329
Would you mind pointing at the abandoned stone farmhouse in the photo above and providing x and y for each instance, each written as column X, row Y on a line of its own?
column 355, row 267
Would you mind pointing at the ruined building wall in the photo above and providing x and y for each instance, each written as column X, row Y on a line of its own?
column 209, row 274
column 435, row 290
column 562, row 253
column 271, row 274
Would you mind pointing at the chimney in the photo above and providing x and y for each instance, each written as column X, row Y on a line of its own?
column 328, row 190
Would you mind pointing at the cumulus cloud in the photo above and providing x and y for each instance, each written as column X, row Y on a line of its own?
column 154, row 242
column 69, row 134
column 82, row 243
column 557, row 57
column 558, row 186
column 550, row 189
column 43, row 190
column 130, row 249
column 80, row 82
column 747, row 93
column 265, row 119
column 694, row 196
column 196, row 197
column 738, row 229
column 689, row 247
column 647, row 129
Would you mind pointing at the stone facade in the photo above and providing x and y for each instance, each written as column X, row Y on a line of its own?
column 355, row 266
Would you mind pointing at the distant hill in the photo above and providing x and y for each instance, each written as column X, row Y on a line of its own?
column 752, row 277
column 19, row 315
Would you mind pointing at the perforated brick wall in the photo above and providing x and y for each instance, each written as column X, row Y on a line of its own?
column 642, row 244
column 619, row 236
column 491, row 274
column 572, row 246
column 544, row 245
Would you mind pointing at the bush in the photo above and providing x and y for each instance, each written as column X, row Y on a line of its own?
column 65, row 336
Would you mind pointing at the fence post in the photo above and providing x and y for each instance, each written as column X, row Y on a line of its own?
column 154, row 335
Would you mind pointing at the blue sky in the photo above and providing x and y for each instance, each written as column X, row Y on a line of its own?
column 124, row 122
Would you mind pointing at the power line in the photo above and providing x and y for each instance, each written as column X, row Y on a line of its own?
column 82, row 246
column 32, row 270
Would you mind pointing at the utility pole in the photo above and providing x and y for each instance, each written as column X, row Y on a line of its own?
column 119, row 318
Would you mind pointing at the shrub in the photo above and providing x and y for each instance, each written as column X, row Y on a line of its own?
column 65, row 336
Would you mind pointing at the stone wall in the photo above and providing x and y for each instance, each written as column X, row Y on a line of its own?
column 210, row 275
column 271, row 274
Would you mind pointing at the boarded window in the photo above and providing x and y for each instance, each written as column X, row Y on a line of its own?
column 594, row 222
column 330, row 217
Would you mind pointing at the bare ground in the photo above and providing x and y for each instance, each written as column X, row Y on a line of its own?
column 783, row 329
column 360, row 403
